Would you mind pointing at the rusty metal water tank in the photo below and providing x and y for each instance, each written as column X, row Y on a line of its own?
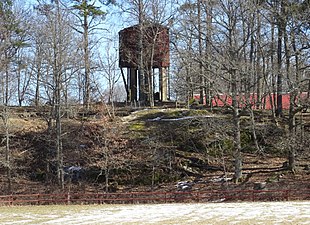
column 154, row 35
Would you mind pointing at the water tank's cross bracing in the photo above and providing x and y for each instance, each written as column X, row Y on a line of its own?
column 144, row 51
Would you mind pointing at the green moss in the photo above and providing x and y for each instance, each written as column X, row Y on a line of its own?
column 249, row 149
column 198, row 112
column 173, row 114
column 228, row 145
column 245, row 137
column 193, row 102
column 272, row 179
column 138, row 126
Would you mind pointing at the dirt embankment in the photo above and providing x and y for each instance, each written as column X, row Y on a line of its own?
column 149, row 149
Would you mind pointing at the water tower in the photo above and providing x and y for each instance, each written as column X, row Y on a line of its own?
column 154, row 49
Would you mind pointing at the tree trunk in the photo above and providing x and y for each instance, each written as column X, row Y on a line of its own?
column 272, row 62
column 5, row 117
column 86, row 63
column 141, row 68
column 281, row 29
column 37, row 92
column 237, row 135
column 292, row 135
column 59, row 151
column 258, row 59
column 57, row 95
column 201, row 77
column 208, row 54
column 293, row 96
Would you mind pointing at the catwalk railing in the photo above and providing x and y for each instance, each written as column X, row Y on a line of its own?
column 156, row 197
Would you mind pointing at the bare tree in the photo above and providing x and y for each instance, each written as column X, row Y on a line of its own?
column 295, row 14
column 11, row 40
column 23, row 75
column 56, row 55
column 110, row 71
column 228, row 59
column 89, row 16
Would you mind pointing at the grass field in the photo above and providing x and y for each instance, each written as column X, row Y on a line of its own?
column 212, row 213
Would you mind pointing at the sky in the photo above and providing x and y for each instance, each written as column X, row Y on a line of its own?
column 108, row 34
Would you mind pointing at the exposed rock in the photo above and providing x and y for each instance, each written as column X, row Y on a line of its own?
column 184, row 185
column 259, row 185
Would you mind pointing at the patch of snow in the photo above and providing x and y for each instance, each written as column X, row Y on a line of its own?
column 202, row 213
column 180, row 119
column 221, row 179
column 155, row 119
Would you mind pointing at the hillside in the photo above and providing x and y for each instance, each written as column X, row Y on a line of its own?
column 148, row 149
